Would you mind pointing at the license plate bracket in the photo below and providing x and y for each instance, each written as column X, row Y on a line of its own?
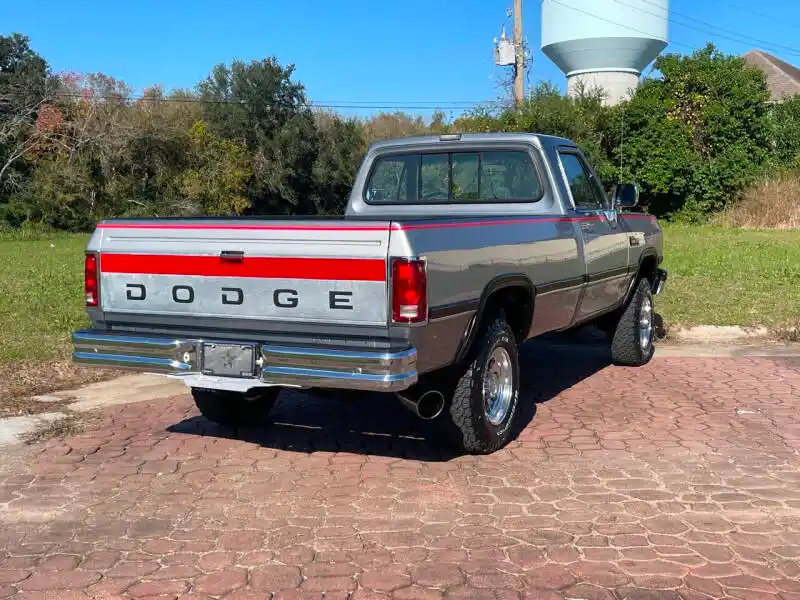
column 229, row 360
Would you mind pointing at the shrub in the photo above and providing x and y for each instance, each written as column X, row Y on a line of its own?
column 772, row 202
column 700, row 135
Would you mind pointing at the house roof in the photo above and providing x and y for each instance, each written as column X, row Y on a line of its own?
column 783, row 79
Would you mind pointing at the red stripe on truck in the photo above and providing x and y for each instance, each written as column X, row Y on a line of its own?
column 497, row 222
column 331, row 269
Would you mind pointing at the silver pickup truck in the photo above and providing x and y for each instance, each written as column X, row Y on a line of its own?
column 452, row 252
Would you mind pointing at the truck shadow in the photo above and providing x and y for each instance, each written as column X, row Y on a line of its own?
column 378, row 424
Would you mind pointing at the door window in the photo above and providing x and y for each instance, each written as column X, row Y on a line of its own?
column 585, row 193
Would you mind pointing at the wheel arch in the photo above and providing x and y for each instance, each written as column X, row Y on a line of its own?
column 514, row 289
column 646, row 268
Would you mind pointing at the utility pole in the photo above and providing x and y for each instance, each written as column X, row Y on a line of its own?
column 519, row 54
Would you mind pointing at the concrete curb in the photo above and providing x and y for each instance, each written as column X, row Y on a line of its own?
column 718, row 333
column 726, row 334
column 121, row 390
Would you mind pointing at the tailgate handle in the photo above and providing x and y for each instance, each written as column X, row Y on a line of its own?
column 232, row 255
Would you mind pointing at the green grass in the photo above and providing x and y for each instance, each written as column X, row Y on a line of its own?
column 720, row 276
column 41, row 295
column 717, row 276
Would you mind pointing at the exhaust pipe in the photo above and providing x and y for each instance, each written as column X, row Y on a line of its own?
column 427, row 405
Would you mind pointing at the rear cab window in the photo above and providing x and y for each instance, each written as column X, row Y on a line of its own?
column 454, row 178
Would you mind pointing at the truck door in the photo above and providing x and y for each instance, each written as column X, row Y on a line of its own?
column 605, row 242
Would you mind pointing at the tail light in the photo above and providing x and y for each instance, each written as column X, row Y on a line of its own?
column 90, row 285
column 409, row 291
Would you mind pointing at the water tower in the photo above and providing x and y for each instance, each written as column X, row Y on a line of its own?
column 604, row 43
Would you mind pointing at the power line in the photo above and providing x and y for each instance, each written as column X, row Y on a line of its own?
column 772, row 18
column 422, row 105
column 740, row 37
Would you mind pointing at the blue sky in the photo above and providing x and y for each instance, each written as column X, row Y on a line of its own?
column 350, row 51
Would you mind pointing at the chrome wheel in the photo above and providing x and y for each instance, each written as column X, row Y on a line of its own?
column 498, row 386
column 645, row 323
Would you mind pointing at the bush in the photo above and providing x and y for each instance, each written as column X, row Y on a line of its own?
column 773, row 202
column 699, row 136
column 786, row 126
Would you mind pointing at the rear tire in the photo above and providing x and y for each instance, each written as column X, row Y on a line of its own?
column 633, row 341
column 235, row 408
column 485, row 398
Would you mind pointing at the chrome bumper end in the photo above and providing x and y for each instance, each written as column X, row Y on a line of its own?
column 299, row 367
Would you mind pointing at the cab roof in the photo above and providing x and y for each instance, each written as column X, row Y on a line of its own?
column 430, row 141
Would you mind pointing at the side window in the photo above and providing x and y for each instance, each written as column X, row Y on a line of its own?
column 435, row 174
column 394, row 180
column 584, row 191
column 466, row 176
column 508, row 176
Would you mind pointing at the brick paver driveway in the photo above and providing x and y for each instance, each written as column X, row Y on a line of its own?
column 678, row 480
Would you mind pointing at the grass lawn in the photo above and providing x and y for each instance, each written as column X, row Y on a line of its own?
column 41, row 288
column 717, row 277
column 41, row 301
column 720, row 276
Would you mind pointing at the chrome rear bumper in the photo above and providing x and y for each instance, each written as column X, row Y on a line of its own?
column 290, row 366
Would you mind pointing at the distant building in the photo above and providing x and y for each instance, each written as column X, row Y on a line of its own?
column 783, row 79
column 604, row 43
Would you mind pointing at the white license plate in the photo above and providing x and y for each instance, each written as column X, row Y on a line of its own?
column 229, row 360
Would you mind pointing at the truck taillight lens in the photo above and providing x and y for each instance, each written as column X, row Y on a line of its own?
column 90, row 279
column 409, row 291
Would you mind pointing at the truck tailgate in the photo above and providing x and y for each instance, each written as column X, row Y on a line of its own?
column 306, row 271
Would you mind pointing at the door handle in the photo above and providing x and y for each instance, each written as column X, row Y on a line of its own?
column 587, row 227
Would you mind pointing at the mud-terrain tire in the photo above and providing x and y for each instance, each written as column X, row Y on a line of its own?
column 235, row 408
column 471, row 426
column 630, row 345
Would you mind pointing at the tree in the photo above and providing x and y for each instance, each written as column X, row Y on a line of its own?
column 341, row 148
column 697, row 137
column 258, row 105
column 60, row 195
column 786, row 127
column 251, row 102
column 217, row 175
column 392, row 125
column 25, row 87
column 143, row 176
column 24, row 75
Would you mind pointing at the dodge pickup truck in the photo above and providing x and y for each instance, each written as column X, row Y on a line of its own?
column 452, row 252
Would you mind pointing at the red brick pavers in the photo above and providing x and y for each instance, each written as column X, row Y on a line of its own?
column 677, row 480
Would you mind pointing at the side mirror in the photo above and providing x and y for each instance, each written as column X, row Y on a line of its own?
column 626, row 195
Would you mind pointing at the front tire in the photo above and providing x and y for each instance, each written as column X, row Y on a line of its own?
column 235, row 408
column 633, row 341
column 485, row 400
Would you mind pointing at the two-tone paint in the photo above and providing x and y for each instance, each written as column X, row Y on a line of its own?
column 323, row 285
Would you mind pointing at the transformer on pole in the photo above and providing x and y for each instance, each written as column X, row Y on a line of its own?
column 512, row 52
